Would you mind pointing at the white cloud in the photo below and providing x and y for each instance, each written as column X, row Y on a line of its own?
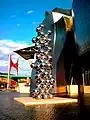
column 34, row 23
column 12, row 16
column 3, row 63
column 30, row 11
column 5, row 50
column 18, row 25
column 7, row 47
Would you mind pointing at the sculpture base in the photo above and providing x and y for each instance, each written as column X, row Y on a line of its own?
column 56, row 100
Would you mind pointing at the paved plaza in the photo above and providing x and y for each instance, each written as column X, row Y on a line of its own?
column 13, row 110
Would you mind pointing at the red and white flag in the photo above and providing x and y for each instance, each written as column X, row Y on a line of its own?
column 12, row 64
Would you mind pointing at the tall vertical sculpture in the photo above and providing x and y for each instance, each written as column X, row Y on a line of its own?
column 10, row 65
column 43, row 65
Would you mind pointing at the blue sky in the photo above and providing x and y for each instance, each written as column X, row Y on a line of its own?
column 18, row 22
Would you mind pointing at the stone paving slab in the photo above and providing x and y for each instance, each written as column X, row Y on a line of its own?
column 56, row 100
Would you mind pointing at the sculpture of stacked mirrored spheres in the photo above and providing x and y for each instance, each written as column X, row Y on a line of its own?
column 43, row 65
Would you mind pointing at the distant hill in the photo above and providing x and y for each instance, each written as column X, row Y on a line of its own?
column 5, row 73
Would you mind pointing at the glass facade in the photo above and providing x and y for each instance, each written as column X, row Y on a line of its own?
column 81, row 10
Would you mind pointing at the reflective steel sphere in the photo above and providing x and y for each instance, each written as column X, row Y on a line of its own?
column 46, row 44
column 42, row 33
column 38, row 29
column 42, row 25
column 37, row 38
column 34, row 40
column 32, row 65
column 49, row 32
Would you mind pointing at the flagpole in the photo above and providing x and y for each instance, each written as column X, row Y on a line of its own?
column 17, row 68
column 8, row 82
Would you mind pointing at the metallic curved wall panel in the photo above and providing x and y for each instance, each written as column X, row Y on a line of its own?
column 59, row 42
column 81, row 10
column 58, row 38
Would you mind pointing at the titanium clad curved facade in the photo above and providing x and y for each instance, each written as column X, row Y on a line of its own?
column 58, row 69
column 58, row 38
column 81, row 10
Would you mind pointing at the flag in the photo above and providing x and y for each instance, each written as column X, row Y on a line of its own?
column 12, row 64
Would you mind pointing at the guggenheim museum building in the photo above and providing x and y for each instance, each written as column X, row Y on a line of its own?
column 70, row 45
